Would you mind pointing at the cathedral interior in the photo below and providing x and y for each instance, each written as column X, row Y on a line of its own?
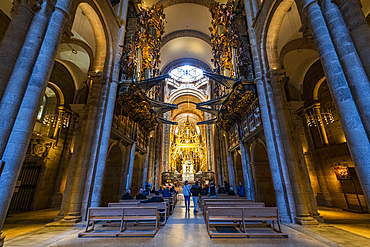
column 98, row 97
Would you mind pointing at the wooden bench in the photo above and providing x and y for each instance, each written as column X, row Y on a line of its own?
column 242, row 216
column 160, row 205
column 123, row 215
column 225, row 201
column 232, row 204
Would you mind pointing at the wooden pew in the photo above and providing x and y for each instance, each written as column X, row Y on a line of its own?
column 218, row 216
column 160, row 205
column 123, row 215
column 232, row 204
column 221, row 200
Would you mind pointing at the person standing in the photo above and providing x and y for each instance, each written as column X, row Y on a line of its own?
column 212, row 190
column 186, row 191
column 241, row 190
column 195, row 191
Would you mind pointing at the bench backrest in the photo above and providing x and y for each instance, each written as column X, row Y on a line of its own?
column 105, row 211
column 235, row 204
column 123, row 204
column 249, row 212
column 140, row 211
column 159, row 205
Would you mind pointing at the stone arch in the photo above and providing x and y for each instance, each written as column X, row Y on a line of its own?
column 296, row 44
column 271, row 32
column 96, row 22
column 186, row 33
column 185, row 61
column 111, row 184
column 190, row 91
column 167, row 3
column 312, row 82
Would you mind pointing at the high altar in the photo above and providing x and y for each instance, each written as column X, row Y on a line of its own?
column 187, row 151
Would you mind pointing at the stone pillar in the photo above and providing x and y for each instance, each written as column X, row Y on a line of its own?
column 230, row 164
column 71, row 169
column 22, row 71
column 247, row 172
column 22, row 14
column 77, row 194
column 321, row 123
column 131, row 166
column 359, row 29
column 21, row 134
column 98, row 183
column 284, row 197
column 145, row 171
column 63, row 164
column 353, row 69
column 354, row 131
column 323, row 195
column 291, row 150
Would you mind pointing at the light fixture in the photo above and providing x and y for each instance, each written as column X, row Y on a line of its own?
column 60, row 120
column 319, row 118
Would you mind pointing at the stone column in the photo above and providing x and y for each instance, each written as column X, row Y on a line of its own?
column 131, row 166
column 145, row 171
column 358, row 27
column 321, row 126
column 22, row 14
column 77, row 194
column 63, row 164
column 103, row 151
column 16, row 87
column 354, row 131
column 284, row 197
column 353, row 69
column 291, row 148
column 72, row 169
column 323, row 194
column 248, row 183
column 21, row 134
column 230, row 164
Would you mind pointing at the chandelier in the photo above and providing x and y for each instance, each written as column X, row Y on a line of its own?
column 319, row 118
column 60, row 120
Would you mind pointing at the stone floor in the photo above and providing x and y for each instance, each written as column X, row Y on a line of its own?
column 188, row 229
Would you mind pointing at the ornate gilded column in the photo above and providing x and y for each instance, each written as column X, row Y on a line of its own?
column 22, row 14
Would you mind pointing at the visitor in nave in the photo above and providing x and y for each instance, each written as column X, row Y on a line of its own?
column 212, row 190
column 141, row 194
column 186, row 191
column 231, row 192
column 195, row 191
column 167, row 193
column 240, row 190
column 127, row 196
column 156, row 198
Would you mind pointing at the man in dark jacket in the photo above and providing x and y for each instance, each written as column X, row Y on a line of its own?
column 140, row 195
column 156, row 198
column 195, row 191
column 227, row 186
column 127, row 196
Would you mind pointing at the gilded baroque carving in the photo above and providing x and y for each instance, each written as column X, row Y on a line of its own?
column 40, row 147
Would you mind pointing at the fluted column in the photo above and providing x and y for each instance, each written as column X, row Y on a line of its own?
column 353, row 128
column 284, row 197
column 358, row 27
column 324, row 136
column 353, row 69
column 21, row 134
column 77, row 194
column 22, row 14
column 22, row 71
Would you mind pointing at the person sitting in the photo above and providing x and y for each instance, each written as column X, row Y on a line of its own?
column 212, row 190
column 241, row 190
column 231, row 192
column 204, row 191
column 156, row 198
column 141, row 194
column 172, row 190
column 221, row 190
column 167, row 193
column 160, row 190
column 127, row 196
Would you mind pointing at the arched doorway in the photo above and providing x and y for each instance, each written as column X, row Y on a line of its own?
column 111, row 187
column 263, row 179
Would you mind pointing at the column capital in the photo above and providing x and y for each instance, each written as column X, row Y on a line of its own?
column 32, row 5
column 95, row 77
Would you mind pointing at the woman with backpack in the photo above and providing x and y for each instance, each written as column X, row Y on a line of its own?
column 186, row 191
